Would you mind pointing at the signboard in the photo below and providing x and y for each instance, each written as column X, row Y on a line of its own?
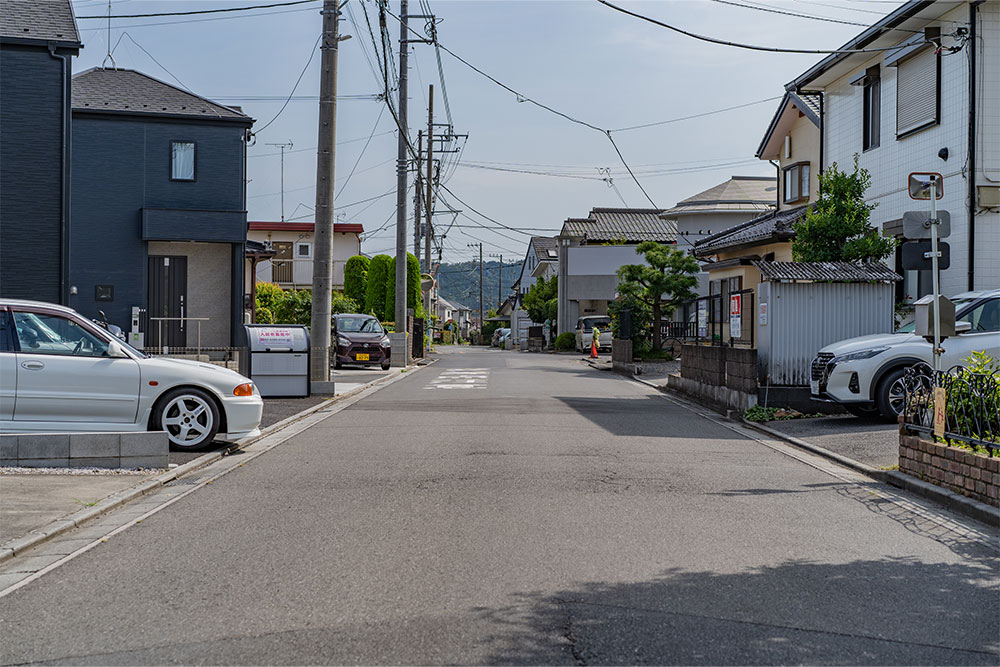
column 919, row 185
column 917, row 224
column 940, row 401
column 274, row 337
column 702, row 319
column 735, row 316
column 913, row 259
column 763, row 314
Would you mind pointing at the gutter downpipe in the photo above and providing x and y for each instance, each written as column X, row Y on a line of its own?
column 777, row 190
column 64, row 238
column 973, row 11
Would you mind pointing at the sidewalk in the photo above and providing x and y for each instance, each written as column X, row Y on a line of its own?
column 36, row 498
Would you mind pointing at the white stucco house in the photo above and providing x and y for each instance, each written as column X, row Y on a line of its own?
column 927, row 102
column 540, row 261
column 292, row 242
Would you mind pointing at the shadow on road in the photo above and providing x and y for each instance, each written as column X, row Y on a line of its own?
column 641, row 416
column 888, row 611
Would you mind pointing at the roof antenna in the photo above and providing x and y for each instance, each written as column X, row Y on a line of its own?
column 108, row 57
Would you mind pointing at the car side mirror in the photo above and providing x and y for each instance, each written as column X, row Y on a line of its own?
column 116, row 351
column 963, row 327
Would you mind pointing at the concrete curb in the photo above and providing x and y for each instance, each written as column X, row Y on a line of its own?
column 949, row 499
column 19, row 545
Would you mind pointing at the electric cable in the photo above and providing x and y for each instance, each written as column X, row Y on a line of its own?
column 200, row 11
column 828, row 19
column 740, row 45
column 312, row 53
column 362, row 154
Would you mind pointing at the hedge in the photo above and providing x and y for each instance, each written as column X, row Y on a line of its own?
column 378, row 274
column 356, row 279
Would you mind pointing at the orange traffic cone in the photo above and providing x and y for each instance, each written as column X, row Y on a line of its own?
column 593, row 349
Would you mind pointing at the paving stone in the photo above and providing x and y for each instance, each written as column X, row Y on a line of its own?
column 31, row 563
column 94, row 445
column 147, row 443
column 42, row 446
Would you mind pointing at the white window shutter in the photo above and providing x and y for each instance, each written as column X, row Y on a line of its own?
column 916, row 92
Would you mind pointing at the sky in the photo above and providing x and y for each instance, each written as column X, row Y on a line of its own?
column 522, row 166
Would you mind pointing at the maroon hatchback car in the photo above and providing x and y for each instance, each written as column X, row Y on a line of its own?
column 360, row 340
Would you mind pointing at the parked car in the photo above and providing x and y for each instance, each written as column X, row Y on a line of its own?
column 865, row 374
column 62, row 373
column 585, row 332
column 361, row 340
column 499, row 336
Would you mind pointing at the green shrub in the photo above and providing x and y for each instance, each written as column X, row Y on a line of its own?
column 356, row 280
column 341, row 303
column 565, row 341
column 389, row 312
column 378, row 273
column 269, row 296
column 414, row 297
column 759, row 413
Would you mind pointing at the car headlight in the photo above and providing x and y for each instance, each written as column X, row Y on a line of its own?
column 343, row 342
column 385, row 342
column 860, row 354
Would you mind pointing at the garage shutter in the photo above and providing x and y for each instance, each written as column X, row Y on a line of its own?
column 917, row 92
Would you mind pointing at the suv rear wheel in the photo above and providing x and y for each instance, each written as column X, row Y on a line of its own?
column 890, row 394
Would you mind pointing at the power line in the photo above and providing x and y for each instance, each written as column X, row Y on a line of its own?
column 740, row 45
column 199, row 11
column 211, row 18
column 697, row 115
column 312, row 148
column 362, row 154
column 804, row 16
column 312, row 53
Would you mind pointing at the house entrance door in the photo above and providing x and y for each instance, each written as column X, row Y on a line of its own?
column 167, row 297
column 282, row 262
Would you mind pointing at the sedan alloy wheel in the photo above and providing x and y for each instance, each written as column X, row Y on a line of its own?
column 190, row 418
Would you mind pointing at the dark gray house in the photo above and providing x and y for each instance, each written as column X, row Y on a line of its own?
column 37, row 43
column 159, row 207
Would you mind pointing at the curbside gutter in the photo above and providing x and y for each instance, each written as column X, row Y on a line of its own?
column 36, row 537
column 949, row 499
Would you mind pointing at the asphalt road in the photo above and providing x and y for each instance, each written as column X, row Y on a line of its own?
column 523, row 509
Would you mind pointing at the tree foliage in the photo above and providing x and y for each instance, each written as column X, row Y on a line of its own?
column 414, row 297
column 378, row 273
column 542, row 300
column 356, row 279
column 836, row 227
column 666, row 280
column 277, row 306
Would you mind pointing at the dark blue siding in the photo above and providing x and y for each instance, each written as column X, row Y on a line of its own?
column 121, row 166
column 31, row 136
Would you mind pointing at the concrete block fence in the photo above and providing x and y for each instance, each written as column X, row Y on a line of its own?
column 85, row 450
column 959, row 470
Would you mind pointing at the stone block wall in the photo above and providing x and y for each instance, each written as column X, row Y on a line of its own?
column 621, row 351
column 717, row 366
column 958, row 470
column 85, row 450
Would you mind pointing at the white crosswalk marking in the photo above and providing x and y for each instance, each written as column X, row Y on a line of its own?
column 465, row 378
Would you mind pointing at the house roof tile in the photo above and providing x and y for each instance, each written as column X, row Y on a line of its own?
column 772, row 225
column 127, row 91
column 546, row 248
column 839, row 272
column 739, row 193
column 39, row 20
column 631, row 225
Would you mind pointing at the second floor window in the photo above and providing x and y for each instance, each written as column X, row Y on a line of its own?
column 796, row 185
column 918, row 82
column 872, row 125
column 182, row 158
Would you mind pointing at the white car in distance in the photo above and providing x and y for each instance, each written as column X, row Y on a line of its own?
column 61, row 373
column 865, row 374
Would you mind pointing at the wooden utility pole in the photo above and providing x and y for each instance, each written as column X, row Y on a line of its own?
column 322, row 285
column 401, row 166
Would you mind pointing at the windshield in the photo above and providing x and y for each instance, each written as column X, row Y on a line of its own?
column 604, row 324
column 358, row 325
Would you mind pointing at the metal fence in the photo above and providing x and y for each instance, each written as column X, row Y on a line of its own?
column 228, row 357
column 717, row 319
column 970, row 412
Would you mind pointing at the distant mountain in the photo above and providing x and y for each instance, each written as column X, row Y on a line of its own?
column 459, row 283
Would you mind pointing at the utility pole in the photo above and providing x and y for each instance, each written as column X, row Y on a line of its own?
column 500, row 284
column 283, row 147
column 481, row 321
column 322, row 286
column 417, row 208
column 428, row 229
column 400, row 355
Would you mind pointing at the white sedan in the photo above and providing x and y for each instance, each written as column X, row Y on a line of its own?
column 59, row 373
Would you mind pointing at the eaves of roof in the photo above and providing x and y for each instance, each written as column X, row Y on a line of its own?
column 892, row 20
column 798, row 103
column 773, row 226
column 840, row 272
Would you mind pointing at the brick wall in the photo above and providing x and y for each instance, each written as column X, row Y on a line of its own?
column 958, row 470
column 732, row 367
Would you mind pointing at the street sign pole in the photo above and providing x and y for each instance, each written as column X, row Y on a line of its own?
column 934, row 279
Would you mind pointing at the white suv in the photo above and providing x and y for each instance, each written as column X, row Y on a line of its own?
column 865, row 374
